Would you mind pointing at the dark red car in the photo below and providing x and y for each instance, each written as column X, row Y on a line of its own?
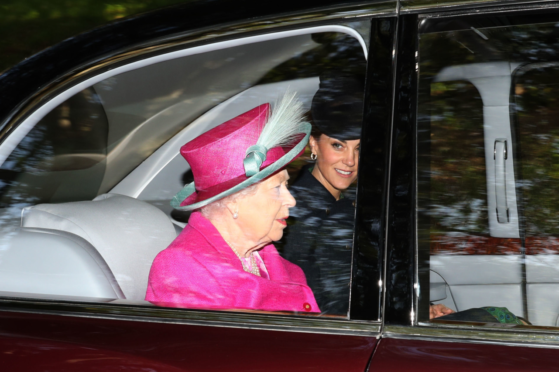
column 455, row 199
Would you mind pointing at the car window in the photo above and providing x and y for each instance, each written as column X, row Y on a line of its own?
column 534, row 97
column 85, row 183
column 486, row 195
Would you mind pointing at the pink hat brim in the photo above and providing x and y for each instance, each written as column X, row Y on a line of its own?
column 201, row 195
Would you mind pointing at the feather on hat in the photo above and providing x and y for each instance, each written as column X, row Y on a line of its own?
column 242, row 152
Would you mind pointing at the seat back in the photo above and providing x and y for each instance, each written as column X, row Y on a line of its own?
column 54, row 264
column 482, row 280
column 127, row 233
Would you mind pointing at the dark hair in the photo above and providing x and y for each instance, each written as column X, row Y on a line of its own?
column 315, row 130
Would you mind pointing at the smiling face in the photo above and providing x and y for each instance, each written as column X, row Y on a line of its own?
column 262, row 215
column 336, row 163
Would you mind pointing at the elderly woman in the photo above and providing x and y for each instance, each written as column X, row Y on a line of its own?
column 224, row 258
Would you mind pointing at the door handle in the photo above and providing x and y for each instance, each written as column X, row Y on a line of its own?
column 500, row 156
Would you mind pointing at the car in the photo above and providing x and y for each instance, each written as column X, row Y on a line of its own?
column 455, row 203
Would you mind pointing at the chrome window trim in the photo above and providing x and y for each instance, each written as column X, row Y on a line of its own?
column 485, row 11
column 524, row 336
column 475, row 6
column 242, row 320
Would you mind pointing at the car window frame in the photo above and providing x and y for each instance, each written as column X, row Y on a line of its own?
column 368, row 321
column 404, row 297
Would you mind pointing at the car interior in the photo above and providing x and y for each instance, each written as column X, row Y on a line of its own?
column 100, row 206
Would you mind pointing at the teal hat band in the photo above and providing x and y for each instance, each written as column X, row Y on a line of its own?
column 190, row 189
column 255, row 156
column 183, row 194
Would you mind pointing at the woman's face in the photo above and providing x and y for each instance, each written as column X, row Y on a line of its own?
column 262, row 215
column 336, row 163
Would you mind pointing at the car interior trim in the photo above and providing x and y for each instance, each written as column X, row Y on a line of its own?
column 136, row 182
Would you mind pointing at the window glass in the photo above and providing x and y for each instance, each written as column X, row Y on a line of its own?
column 85, row 192
column 536, row 107
column 535, row 104
column 487, row 149
column 66, row 149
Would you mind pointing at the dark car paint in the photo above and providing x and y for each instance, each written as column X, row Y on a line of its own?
column 36, row 342
column 401, row 231
column 414, row 355
column 373, row 175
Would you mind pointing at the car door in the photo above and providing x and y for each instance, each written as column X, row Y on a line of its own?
column 472, row 205
column 89, row 158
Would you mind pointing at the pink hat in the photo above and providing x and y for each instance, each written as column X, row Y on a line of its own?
column 242, row 151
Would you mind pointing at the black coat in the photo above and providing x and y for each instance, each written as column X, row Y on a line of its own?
column 319, row 239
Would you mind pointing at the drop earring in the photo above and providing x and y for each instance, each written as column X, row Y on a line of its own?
column 313, row 156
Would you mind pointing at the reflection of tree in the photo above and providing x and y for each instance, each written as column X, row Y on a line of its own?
column 64, row 151
column 451, row 112
column 40, row 24
column 336, row 53
column 537, row 110
column 458, row 199
column 525, row 44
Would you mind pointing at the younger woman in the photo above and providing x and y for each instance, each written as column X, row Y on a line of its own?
column 320, row 234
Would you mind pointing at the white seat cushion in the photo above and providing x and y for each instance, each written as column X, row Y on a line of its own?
column 128, row 233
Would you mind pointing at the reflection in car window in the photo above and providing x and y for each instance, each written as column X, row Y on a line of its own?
column 536, row 106
column 486, row 173
column 458, row 192
column 97, row 173
column 69, row 144
column 535, row 101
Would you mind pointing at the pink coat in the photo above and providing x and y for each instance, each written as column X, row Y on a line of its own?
column 199, row 270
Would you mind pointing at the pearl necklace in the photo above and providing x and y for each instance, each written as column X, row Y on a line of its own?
column 253, row 269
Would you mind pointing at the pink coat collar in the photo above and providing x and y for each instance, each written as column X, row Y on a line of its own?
column 200, row 270
column 269, row 253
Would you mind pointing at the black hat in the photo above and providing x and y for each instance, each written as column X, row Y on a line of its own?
column 337, row 107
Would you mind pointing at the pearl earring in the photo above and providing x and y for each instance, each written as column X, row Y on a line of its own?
column 235, row 215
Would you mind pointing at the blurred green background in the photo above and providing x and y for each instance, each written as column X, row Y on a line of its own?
column 29, row 26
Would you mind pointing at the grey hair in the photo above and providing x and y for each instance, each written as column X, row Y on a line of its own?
column 211, row 209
